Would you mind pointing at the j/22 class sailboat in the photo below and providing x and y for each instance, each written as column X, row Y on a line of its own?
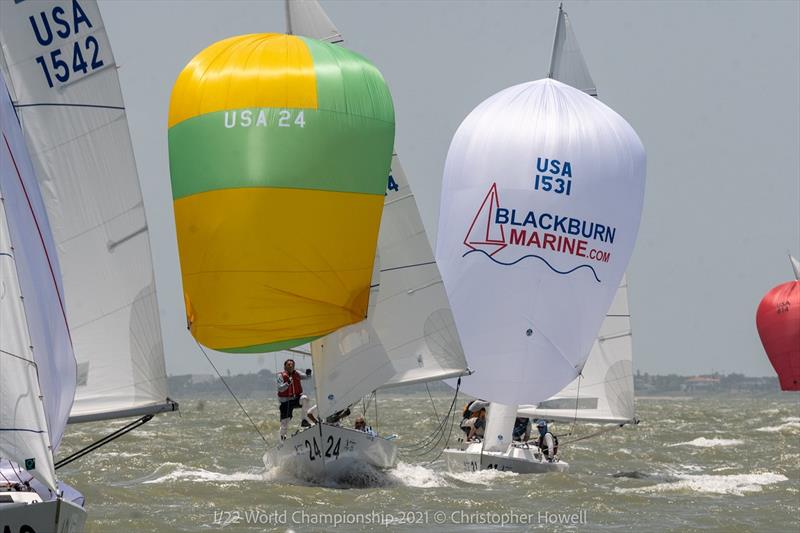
column 409, row 335
column 603, row 390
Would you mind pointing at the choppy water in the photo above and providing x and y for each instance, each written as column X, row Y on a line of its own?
column 717, row 464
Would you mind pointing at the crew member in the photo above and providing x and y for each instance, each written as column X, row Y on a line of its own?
column 290, row 395
column 548, row 443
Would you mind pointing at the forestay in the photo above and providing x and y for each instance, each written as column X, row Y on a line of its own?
column 604, row 391
column 68, row 97
column 37, row 366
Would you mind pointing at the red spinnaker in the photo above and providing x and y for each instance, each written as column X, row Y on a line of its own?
column 778, row 323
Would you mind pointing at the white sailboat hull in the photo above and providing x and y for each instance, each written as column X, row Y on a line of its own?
column 326, row 450
column 56, row 516
column 519, row 459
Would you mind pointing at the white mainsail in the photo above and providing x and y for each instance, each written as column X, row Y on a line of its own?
column 37, row 366
column 412, row 317
column 567, row 64
column 63, row 78
column 306, row 17
column 409, row 335
column 795, row 266
column 604, row 391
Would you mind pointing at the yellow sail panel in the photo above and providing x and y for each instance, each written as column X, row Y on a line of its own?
column 267, row 70
column 260, row 271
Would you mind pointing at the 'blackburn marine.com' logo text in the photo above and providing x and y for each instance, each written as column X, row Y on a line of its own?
column 507, row 236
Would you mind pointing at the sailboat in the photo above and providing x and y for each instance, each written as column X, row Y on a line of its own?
column 37, row 365
column 778, row 323
column 409, row 336
column 64, row 84
column 603, row 390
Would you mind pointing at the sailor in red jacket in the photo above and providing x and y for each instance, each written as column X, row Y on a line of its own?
column 290, row 395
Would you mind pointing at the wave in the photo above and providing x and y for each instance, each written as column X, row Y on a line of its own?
column 702, row 442
column 789, row 427
column 481, row 477
column 179, row 472
column 734, row 484
column 594, row 273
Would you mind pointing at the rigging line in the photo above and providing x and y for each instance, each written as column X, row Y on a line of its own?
column 231, row 391
column 102, row 442
column 407, row 266
column 450, row 432
column 64, row 104
column 432, row 404
column 431, row 439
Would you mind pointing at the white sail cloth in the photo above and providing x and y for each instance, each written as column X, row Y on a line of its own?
column 567, row 64
column 37, row 366
column 531, row 255
column 604, row 391
column 499, row 431
column 412, row 317
column 306, row 17
column 62, row 74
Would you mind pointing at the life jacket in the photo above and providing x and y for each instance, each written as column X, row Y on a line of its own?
column 542, row 445
column 293, row 390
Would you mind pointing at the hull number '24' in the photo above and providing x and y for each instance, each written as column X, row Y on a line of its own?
column 331, row 449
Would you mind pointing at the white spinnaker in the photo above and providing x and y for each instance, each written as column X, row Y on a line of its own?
column 37, row 366
column 499, row 427
column 567, row 64
column 412, row 317
column 604, row 391
column 306, row 17
column 529, row 305
column 64, row 79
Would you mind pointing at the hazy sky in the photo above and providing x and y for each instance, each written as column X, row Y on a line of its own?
column 712, row 88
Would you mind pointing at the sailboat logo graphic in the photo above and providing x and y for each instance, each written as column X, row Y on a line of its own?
column 484, row 233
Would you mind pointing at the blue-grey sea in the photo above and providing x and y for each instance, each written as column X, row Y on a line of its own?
column 709, row 463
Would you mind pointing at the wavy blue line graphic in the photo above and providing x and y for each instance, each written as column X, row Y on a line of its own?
column 537, row 257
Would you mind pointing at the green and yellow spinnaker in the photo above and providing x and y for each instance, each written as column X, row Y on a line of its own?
column 279, row 149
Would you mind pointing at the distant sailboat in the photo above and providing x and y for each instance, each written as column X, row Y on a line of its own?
column 778, row 323
column 65, row 87
column 608, row 373
column 37, row 365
